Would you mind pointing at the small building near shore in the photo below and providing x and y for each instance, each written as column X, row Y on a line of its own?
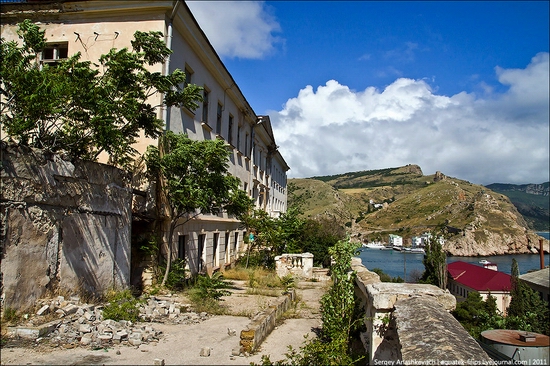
column 466, row 277
column 539, row 281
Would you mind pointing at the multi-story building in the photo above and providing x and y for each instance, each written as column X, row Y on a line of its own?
column 94, row 27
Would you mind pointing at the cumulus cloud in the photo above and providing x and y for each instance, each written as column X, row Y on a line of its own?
column 242, row 29
column 484, row 139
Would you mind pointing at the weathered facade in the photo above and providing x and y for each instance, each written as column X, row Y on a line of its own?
column 94, row 27
column 65, row 226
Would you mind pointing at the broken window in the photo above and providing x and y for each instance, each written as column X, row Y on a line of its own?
column 54, row 52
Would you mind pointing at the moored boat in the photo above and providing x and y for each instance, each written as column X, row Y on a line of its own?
column 374, row 245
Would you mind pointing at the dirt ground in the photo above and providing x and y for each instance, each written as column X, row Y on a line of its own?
column 182, row 344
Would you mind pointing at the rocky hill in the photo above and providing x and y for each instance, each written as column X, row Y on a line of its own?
column 404, row 201
column 531, row 200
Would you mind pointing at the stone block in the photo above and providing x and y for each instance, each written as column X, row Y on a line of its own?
column 43, row 310
column 84, row 328
column 158, row 361
column 86, row 339
column 205, row 352
column 134, row 342
column 70, row 309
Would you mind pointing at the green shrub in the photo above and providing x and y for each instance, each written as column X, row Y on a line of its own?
column 122, row 305
column 177, row 277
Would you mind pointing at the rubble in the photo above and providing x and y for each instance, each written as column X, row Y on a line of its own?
column 84, row 325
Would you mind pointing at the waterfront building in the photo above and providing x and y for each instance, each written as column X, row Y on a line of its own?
column 539, row 281
column 466, row 277
column 209, row 242
column 395, row 240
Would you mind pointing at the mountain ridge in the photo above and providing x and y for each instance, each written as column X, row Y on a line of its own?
column 404, row 201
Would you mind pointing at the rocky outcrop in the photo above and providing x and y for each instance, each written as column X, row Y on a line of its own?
column 485, row 243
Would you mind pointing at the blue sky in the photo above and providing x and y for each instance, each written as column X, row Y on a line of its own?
column 459, row 87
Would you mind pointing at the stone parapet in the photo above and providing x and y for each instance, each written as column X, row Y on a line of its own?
column 411, row 323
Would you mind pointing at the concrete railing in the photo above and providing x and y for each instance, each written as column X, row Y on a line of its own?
column 298, row 265
column 411, row 323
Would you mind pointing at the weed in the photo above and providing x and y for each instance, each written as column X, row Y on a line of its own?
column 122, row 305
column 10, row 315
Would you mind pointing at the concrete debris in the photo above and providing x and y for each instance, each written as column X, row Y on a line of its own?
column 84, row 325
column 205, row 352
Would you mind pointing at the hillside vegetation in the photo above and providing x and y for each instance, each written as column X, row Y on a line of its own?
column 403, row 201
column 531, row 200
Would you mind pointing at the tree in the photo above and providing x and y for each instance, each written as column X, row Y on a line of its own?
column 83, row 108
column 477, row 315
column 527, row 311
column 435, row 265
column 194, row 178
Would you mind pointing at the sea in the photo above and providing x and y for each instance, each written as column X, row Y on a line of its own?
column 409, row 265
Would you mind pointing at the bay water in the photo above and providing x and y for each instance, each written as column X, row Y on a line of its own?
column 409, row 265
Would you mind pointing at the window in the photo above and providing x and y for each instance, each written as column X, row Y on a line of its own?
column 235, row 243
column 53, row 52
column 219, row 119
column 200, row 252
column 230, row 133
column 239, row 138
column 227, row 249
column 181, row 246
column 188, row 74
column 205, row 106
column 246, row 145
column 215, row 250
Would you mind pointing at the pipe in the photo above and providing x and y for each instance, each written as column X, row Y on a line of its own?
column 167, row 62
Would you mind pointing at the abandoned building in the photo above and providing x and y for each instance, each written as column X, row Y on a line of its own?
column 209, row 242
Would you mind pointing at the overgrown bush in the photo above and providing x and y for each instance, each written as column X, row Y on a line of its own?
column 122, row 305
column 177, row 277
column 207, row 292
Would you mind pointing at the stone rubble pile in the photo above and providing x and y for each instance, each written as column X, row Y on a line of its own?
column 84, row 324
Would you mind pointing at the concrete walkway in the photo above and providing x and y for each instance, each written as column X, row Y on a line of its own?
column 182, row 344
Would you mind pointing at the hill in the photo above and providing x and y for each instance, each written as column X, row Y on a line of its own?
column 531, row 200
column 404, row 201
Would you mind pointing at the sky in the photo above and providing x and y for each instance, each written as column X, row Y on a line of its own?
column 457, row 87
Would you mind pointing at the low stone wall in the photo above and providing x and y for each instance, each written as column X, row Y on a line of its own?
column 66, row 226
column 411, row 323
column 262, row 324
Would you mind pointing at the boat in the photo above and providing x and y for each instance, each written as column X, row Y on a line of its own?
column 398, row 248
column 484, row 262
column 374, row 245
column 418, row 250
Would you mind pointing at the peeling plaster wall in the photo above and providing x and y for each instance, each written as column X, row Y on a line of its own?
column 65, row 226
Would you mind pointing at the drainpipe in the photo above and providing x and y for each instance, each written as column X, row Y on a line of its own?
column 167, row 62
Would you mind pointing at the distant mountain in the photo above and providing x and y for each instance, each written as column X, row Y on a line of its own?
column 404, row 201
column 531, row 200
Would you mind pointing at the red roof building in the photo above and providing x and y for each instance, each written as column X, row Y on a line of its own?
column 466, row 277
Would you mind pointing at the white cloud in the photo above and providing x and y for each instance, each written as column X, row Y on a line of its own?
column 500, row 138
column 243, row 29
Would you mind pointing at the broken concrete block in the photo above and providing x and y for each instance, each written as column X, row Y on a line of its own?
column 205, row 352
column 85, row 328
column 158, row 361
column 43, row 310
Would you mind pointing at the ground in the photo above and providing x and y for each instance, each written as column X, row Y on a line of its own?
column 182, row 344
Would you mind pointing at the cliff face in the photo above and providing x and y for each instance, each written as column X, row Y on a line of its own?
column 486, row 243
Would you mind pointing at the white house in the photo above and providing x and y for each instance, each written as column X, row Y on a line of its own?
column 395, row 240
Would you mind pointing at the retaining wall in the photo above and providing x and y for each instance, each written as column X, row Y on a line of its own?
column 262, row 324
